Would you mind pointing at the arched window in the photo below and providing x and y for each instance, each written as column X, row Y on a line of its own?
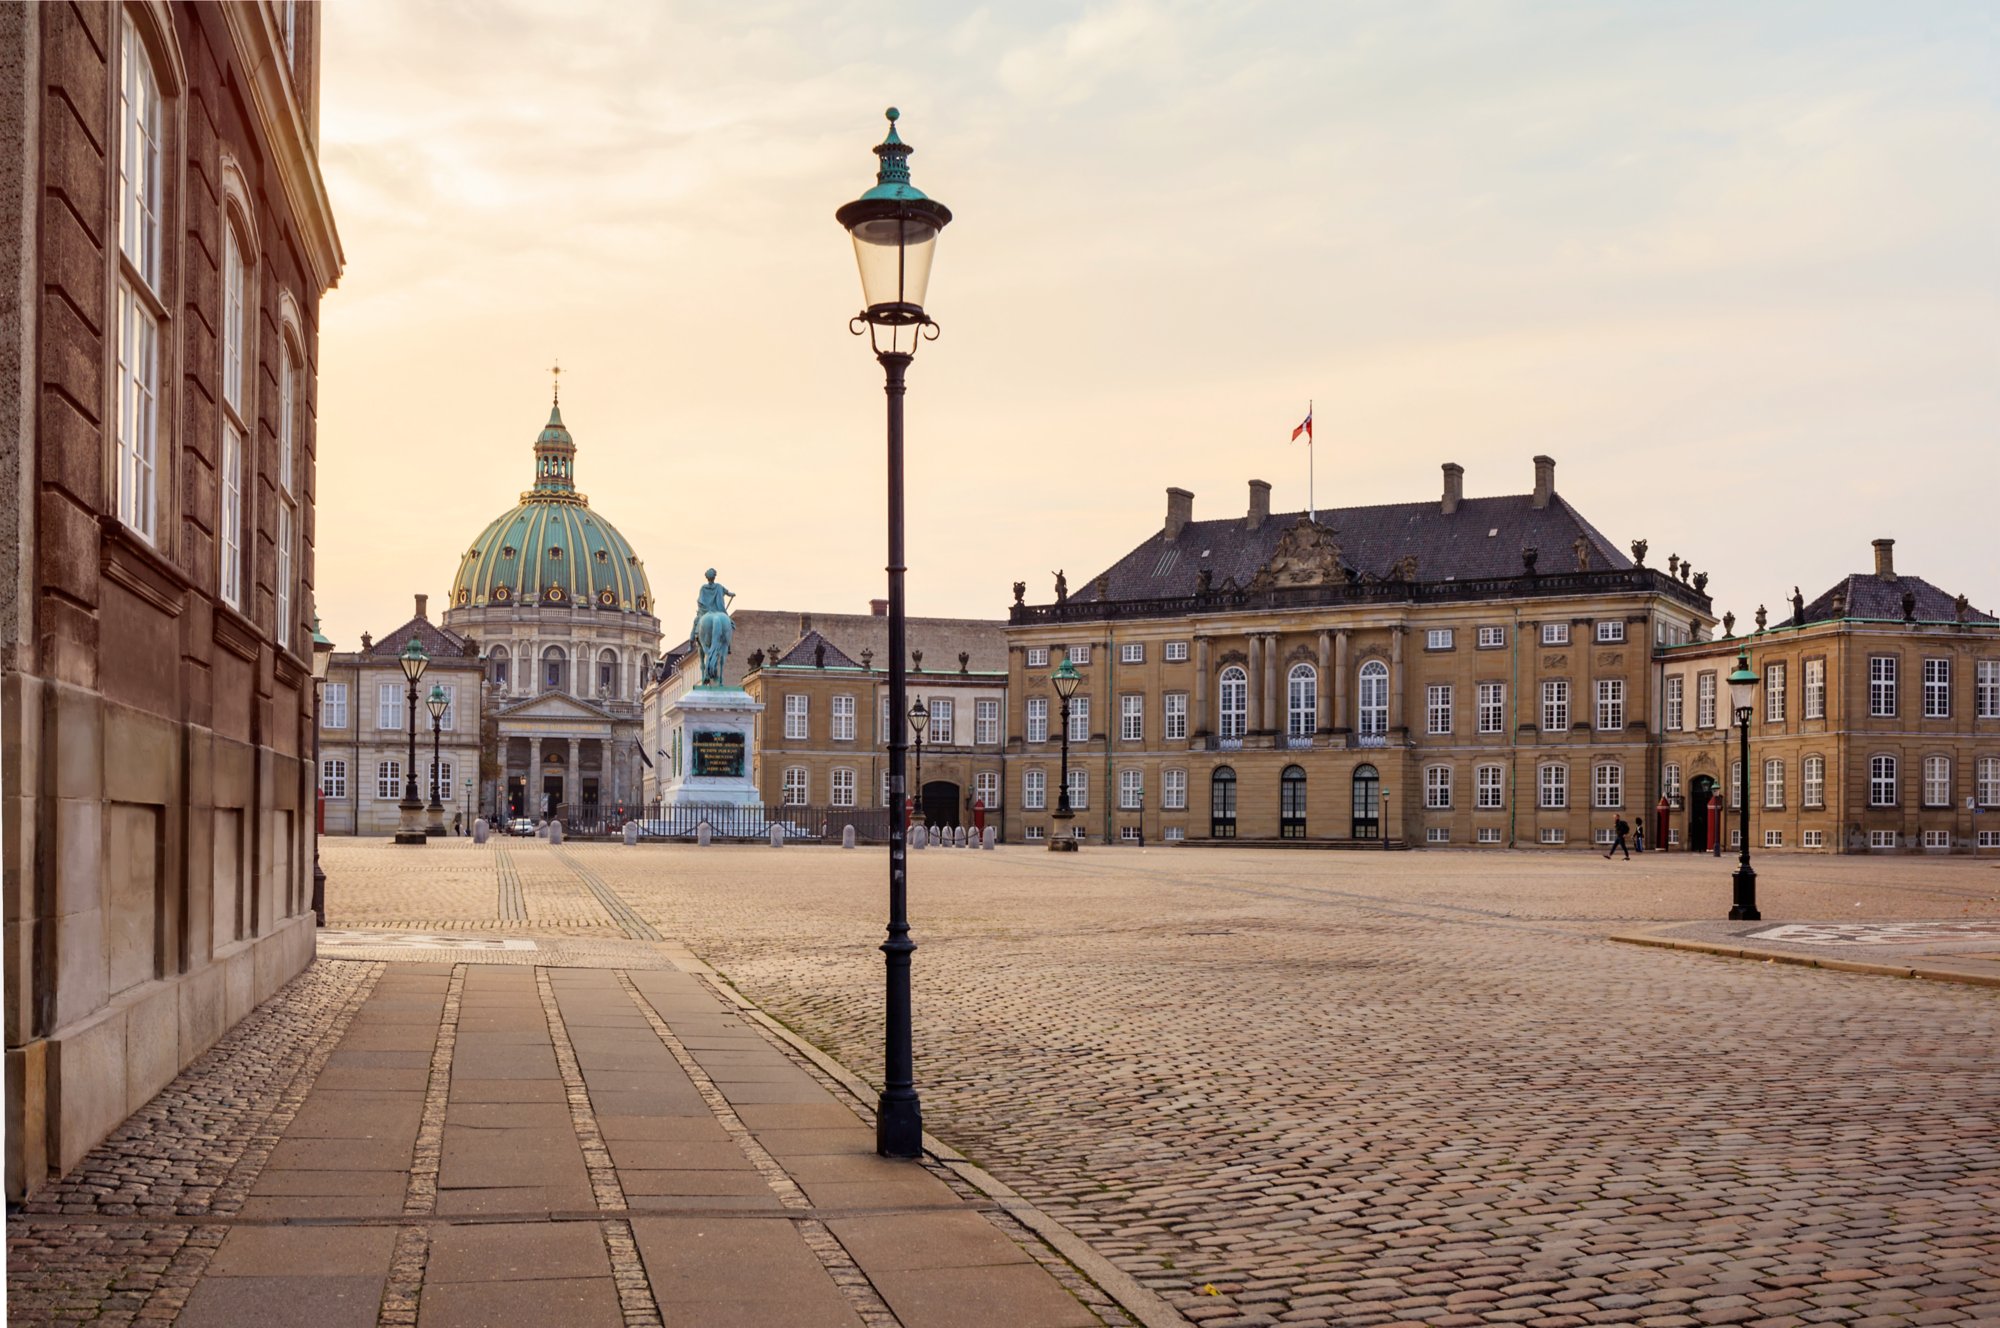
column 1292, row 801
column 1367, row 802
column 290, row 361
column 555, row 669
column 1234, row 693
column 499, row 666
column 607, row 674
column 645, row 675
column 1374, row 697
column 1301, row 702
column 1222, row 803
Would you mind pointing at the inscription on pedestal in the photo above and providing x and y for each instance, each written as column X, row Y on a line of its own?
column 718, row 753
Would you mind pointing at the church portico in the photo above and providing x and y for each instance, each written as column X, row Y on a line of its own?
column 561, row 756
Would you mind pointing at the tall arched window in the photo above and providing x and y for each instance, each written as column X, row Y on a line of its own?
column 1374, row 697
column 555, row 669
column 1234, row 692
column 1301, row 702
column 1292, row 803
column 1367, row 820
column 143, row 129
column 1222, row 803
column 288, row 409
column 499, row 666
column 238, row 311
column 607, row 674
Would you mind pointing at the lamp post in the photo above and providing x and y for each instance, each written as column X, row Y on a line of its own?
column 410, row 825
column 322, row 664
column 1065, row 680
column 920, row 719
column 895, row 228
column 437, row 703
column 1743, row 696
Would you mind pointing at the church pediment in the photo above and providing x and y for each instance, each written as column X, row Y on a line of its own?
column 1307, row 555
column 554, row 706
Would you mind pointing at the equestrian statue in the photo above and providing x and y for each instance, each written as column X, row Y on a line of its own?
column 713, row 629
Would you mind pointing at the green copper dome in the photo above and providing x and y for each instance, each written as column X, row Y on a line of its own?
column 552, row 550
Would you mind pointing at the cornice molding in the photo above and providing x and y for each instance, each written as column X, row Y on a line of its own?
column 261, row 55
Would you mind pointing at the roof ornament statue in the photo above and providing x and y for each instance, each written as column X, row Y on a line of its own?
column 1763, row 616
column 1582, row 548
column 1798, row 607
column 1639, row 548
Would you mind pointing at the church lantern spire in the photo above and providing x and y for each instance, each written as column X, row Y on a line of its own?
column 555, row 451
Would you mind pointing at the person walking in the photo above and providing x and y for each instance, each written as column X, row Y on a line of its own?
column 1623, row 828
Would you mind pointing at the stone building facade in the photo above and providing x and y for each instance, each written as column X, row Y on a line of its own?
column 169, row 238
column 1876, row 728
column 364, row 753
column 1466, row 671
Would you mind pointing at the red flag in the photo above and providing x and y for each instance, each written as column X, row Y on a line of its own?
column 1305, row 427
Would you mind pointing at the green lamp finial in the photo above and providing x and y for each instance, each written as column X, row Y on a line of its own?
column 892, row 177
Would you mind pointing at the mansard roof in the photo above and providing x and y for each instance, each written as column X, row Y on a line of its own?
column 440, row 643
column 1869, row 595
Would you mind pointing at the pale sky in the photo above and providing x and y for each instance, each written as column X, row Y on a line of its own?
column 1735, row 266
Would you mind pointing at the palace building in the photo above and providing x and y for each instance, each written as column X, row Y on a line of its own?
column 1877, row 727
column 170, row 238
column 1462, row 671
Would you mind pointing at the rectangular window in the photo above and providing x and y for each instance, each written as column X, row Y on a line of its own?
column 1882, row 781
column 1881, row 686
column 1881, row 839
column 1774, row 839
column 1609, row 785
column 1937, row 781
column 1670, row 781
column 1034, row 790
column 1812, row 839
column 944, row 727
column 1774, row 693
column 449, row 719
column 1129, row 833
column 389, row 705
column 1489, row 834
column 1492, row 638
column 1987, row 790
column 235, row 327
column 1610, row 703
column 333, row 706
column 1704, row 701
column 840, row 791
column 1492, row 707
column 986, row 721
column 1437, row 787
column 1079, row 719
column 795, row 786
column 1079, row 789
column 1676, row 698
column 1132, row 652
column 1175, row 716
column 1555, row 634
column 843, row 718
column 1602, row 835
column 1438, row 638
column 1437, row 834
column 1487, row 785
column 389, row 781
column 1555, row 706
column 1937, row 689
column 229, row 539
column 795, row 715
column 1610, row 633
column 1131, row 789
column 1735, row 784
column 1176, row 652
column 287, row 409
column 1437, row 707
column 1079, row 655
column 986, row 788
column 1173, row 790
column 1552, row 834
column 1038, row 719
column 1131, row 718
column 1555, row 787
column 138, row 411
column 333, row 777
column 1812, row 781
column 1987, row 692
column 437, row 775
column 1989, row 839
column 1038, row 657
column 1937, row 839
column 1037, row 832
column 1774, row 785
column 139, row 157
column 1815, row 689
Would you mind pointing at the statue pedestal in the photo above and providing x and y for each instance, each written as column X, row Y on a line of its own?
column 709, row 736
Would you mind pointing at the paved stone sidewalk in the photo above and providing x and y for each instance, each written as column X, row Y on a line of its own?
column 456, row 1145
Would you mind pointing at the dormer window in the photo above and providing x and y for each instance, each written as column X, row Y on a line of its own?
column 555, row 552
column 603, row 557
column 507, row 551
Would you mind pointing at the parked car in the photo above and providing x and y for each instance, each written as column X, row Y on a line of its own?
column 521, row 825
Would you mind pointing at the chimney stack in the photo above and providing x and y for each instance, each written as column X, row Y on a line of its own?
column 1260, row 504
column 1885, row 559
column 879, row 607
column 423, row 607
column 1180, row 511
column 1454, row 486
column 805, row 623
column 1545, row 480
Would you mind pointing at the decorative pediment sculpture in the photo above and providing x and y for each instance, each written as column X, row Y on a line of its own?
column 1582, row 547
column 1404, row 568
column 1308, row 554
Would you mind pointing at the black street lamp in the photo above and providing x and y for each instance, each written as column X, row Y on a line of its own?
column 1743, row 696
column 895, row 229
column 920, row 719
column 410, row 826
column 1066, row 680
column 437, row 703
column 322, row 664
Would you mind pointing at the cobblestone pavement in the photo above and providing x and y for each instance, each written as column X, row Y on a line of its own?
column 1408, row 1088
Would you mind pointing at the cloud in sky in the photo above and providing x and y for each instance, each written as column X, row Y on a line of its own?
column 1736, row 267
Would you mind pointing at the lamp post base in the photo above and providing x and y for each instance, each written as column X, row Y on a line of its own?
column 1061, row 840
column 1743, row 904
column 410, row 828
column 899, row 1125
column 435, row 829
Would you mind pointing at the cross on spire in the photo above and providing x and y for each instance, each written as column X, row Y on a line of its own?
column 556, row 371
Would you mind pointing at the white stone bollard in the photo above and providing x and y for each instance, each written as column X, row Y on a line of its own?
column 991, row 837
column 847, row 837
column 631, row 832
column 777, row 836
column 702, row 834
column 480, row 830
column 916, row 836
column 960, row 837
column 555, row 832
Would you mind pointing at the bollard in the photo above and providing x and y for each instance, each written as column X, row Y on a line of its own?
column 479, row 830
column 555, row 832
column 917, row 836
column 631, row 832
column 777, row 836
column 702, row 834
column 991, row 837
column 847, row 837
column 958, row 837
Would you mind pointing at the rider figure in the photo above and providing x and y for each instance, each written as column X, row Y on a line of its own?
column 713, row 598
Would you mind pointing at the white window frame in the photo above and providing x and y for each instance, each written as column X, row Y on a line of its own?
column 1812, row 839
column 1986, row 689
column 1774, row 692
column 1987, row 790
column 1555, row 634
column 333, row 777
column 1437, row 834
column 1815, row 688
column 448, row 721
column 1883, row 790
column 1372, row 696
column 796, row 786
column 287, row 499
column 986, row 721
column 841, row 710
column 1174, row 716
column 389, row 780
column 442, row 771
column 141, row 154
column 1774, row 839
column 1038, row 657
column 1552, row 785
column 798, row 715
column 1937, row 781
column 841, row 787
column 1881, row 839
column 235, row 334
column 944, row 722
column 333, row 706
column 1607, row 784
column 1173, row 790
column 1132, row 652
column 1439, row 638
column 1233, row 700
column 1131, row 717
column 1176, row 652
column 1554, row 834
column 1610, row 632
column 1812, row 781
column 1610, row 704
column 1676, row 701
column 1079, row 788
column 1774, row 784
column 392, row 699
column 229, row 518
column 1882, row 686
column 1555, row 705
column 1489, row 787
column 1438, row 708
column 1034, row 789
column 1131, row 789
column 1704, row 701
column 1079, row 655
column 986, row 788
column 1437, row 788
column 1670, row 780
column 1037, row 720
column 1937, row 688
column 1489, row 834
column 1492, row 707
column 1492, row 638
column 1301, row 700
column 1735, row 785
column 1079, row 719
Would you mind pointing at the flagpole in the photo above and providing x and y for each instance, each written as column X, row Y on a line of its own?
column 1312, row 508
